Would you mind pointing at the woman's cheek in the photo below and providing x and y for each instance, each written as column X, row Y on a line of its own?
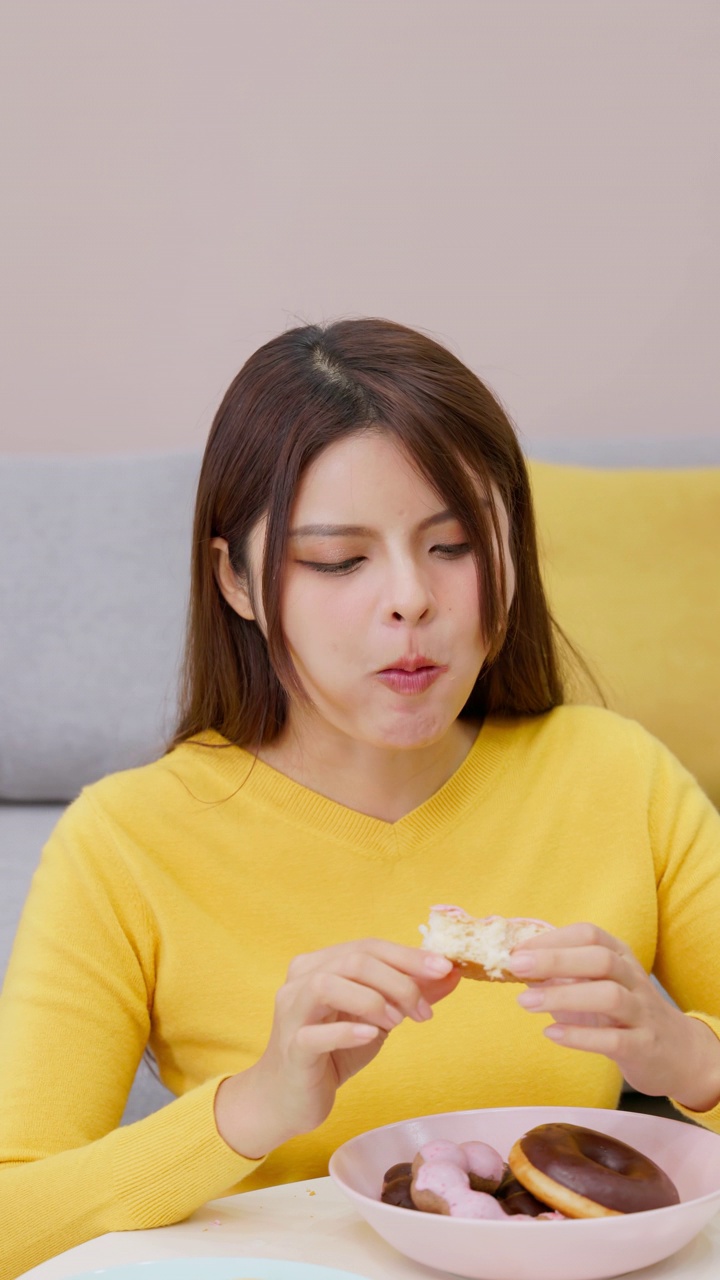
column 318, row 614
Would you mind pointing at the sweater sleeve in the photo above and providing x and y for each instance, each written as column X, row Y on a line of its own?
column 684, row 828
column 75, row 1015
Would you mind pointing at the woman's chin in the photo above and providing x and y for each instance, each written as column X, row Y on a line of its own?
column 404, row 729
column 412, row 735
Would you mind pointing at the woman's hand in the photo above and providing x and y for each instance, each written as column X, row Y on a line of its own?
column 332, row 1017
column 603, row 1001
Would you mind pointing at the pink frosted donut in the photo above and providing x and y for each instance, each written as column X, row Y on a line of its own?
column 482, row 1163
column 457, row 1178
column 441, row 1186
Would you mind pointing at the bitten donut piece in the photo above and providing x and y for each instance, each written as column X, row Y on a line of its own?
column 586, row 1174
column 481, row 947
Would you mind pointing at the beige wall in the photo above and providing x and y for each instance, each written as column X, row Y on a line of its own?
column 535, row 182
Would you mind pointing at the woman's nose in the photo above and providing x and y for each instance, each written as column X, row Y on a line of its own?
column 409, row 598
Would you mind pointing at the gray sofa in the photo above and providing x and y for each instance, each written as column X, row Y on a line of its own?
column 94, row 555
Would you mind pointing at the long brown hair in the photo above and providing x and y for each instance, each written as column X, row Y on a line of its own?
column 297, row 394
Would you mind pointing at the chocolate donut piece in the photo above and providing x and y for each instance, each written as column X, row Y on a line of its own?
column 514, row 1198
column 396, row 1186
column 584, row 1173
column 488, row 1185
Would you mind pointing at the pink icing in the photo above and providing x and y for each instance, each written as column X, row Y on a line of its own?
column 472, row 1157
column 457, row 913
column 441, row 1149
column 445, row 1178
column 452, row 911
column 483, row 1160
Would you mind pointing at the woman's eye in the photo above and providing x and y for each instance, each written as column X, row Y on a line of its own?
column 340, row 566
column 453, row 550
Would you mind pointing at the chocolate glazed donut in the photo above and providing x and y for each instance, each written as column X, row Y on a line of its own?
column 585, row 1174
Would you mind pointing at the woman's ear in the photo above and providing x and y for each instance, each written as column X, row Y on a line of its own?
column 233, row 587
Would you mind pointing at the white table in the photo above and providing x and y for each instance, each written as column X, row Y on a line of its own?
column 309, row 1222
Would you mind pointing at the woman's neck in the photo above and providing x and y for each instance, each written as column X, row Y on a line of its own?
column 382, row 783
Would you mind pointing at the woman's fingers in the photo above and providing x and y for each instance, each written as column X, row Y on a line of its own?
column 407, row 978
column 442, row 987
column 575, row 935
column 588, row 962
column 586, row 980
column 584, row 1019
column 312, row 1041
column 324, row 994
column 608, row 999
column 612, row 1042
column 421, row 966
column 350, row 985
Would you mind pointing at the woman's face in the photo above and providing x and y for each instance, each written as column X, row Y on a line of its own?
column 380, row 609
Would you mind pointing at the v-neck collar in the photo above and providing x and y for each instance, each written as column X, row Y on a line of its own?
column 369, row 837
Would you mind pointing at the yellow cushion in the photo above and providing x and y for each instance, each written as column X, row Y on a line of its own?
column 631, row 563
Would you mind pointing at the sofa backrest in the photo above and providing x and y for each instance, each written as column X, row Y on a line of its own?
column 94, row 576
column 631, row 565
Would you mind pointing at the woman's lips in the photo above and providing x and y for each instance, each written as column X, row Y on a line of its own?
column 401, row 681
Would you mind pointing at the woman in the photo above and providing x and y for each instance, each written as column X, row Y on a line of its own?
column 372, row 720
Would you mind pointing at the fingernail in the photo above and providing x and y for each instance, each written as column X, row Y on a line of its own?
column 438, row 965
column 554, row 1032
column 530, row 1000
column 363, row 1032
column 424, row 1010
column 521, row 963
column 393, row 1015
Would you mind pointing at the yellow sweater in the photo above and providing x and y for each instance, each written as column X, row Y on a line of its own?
column 170, row 899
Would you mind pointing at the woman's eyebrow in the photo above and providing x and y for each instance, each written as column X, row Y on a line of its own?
column 358, row 530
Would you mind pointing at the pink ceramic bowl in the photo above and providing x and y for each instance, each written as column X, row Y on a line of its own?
column 587, row 1249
